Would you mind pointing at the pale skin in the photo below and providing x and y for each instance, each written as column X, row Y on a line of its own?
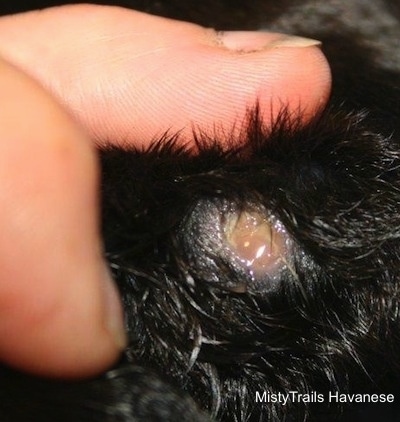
column 77, row 75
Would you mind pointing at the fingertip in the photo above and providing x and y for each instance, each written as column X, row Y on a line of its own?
column 57, row 318
column 274, row 71
column 299, row 79
column 213, row 79
column 65, row 334
column 167, row 75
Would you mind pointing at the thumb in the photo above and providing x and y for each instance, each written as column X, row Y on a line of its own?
column 129, row 76
column 59, row 312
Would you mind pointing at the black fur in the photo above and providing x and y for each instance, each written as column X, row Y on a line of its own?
column 205, row 333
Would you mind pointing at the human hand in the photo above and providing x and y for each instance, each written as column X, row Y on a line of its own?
column 119, row 76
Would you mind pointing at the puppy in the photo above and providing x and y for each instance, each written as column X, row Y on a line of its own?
column 260, row 282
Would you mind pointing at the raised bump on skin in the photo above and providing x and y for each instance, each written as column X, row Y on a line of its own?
column 256, row 242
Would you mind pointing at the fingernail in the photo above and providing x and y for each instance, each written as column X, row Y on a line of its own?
column 249, row 41
column 295, row 41
column 114, row 318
